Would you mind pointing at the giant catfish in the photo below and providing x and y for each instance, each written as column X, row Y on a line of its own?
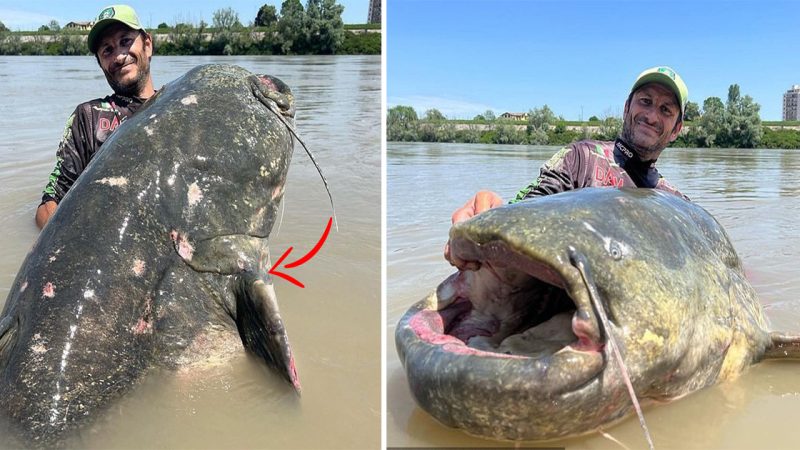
column 156, row 257
column 513, row 347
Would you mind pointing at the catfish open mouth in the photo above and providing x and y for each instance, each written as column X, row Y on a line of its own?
column 516, row 305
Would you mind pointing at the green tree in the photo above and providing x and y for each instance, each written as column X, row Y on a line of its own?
column 692, row 112
column 539, row 122
column 267, row 16
column 560, row 135
column 53, row 25
column 470, row 135
column 735, row 124
column 71, row 45
column 610, row 128
column 226, row 19
column 3, row 28
column 324, row 26
column 183, row 27
column 162, row 26
column 711, row 124
column 536, row 136
column 291, row 36
column 402, row 124
column 744, row 122
column 508, row 134
column 594, row 119
column 434, row 115
column 541, row 117
column 489, row 116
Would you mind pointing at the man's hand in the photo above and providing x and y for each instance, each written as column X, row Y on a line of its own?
column 480, row 202
column 43, row 213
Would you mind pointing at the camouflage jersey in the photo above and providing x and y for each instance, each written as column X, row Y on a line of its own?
column 595, row 164
column 86, row 130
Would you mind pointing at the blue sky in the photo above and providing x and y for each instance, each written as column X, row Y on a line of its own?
column 581, row 57
column 31, row 14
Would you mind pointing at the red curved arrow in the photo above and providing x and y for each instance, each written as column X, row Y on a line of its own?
column 301, row 261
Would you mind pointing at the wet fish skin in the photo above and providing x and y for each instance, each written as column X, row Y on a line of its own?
column 157, row 257
column 672, row 284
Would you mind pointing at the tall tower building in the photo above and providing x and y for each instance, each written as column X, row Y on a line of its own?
column 791, row 103
column 374, row 15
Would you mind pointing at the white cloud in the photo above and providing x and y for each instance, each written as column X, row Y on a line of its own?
column 16, row 20
column 452, row 109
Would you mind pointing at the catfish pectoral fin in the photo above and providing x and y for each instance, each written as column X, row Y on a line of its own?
column 8, row 334
column 261, row 327
column 784, row 346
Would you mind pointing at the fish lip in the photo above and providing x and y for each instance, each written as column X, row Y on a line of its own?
column 562, row 274
column 464, row 386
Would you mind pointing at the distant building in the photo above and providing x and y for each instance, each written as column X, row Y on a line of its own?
column 514, row 116
column 374, row 14
column 791, row 103
column 79, row 25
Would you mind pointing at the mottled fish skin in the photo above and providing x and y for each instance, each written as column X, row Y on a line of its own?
column 673, row 287
column 140, row 265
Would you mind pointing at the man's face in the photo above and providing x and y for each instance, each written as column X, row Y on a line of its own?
column 124, row 55
column 651, row 120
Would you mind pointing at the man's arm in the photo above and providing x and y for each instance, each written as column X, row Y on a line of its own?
column 44, row 211
column 556, row 175
column 71, row 159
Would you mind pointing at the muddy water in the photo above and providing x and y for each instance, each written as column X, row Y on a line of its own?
column 753, row 193
column 333, row 323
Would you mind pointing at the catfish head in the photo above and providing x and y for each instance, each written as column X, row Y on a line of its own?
column 512, row 346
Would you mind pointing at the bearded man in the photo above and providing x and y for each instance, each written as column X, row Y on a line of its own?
column 653, row 118
column 123, row 50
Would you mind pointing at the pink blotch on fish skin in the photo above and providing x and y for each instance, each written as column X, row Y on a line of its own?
column 145, row 324
column 182, row 245
column 277, row 192
column 142, row 327
column 138, row 267
column 49, row 290
column 293, row 374
column 266, row 81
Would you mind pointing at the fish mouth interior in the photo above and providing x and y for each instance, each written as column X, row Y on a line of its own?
column 514, row 305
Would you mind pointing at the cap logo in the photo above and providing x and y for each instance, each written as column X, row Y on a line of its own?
column 666, row 72
column 106, row 14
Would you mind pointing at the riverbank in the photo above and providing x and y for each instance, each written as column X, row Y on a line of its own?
column 775, row 134
column 356, row 39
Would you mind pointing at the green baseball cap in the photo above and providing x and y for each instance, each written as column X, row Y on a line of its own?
column 667, row 77
column 109, row 16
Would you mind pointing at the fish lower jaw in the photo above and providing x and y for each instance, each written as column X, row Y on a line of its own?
column 587, row 345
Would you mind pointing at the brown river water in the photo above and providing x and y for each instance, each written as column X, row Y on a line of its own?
column 333, row 324
column 753, row 193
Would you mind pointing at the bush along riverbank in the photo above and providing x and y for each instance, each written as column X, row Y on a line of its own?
column 316, row 29
column 734, row 124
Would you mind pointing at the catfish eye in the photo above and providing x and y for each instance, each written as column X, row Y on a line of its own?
column 615, row 250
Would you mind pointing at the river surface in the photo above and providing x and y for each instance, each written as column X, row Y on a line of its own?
column 333, row 324
column 753, row 193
